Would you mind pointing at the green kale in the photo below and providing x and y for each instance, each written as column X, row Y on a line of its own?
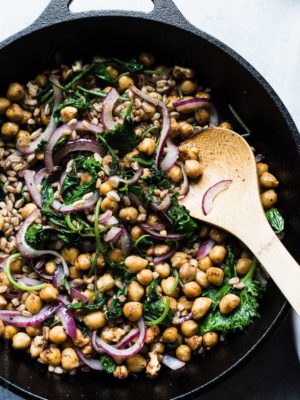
column 157, row 178
column 37, row 235
column 89, row 164
column 47, row 193
column 99, row 69
column 229, row 266
column 69, row 184
column 152, row 291
column 116, row 306
column 83, row 328
column 97, row 305
column 119, row 270
column 75, row 99
column 275, row 219
column 71, row 197
column 108, row 364
column 142, row 244
column 183, row 223
column 113, row 168
column 129, row 65
column 153, row 311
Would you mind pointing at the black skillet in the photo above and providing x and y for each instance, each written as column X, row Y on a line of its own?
column 167, row 34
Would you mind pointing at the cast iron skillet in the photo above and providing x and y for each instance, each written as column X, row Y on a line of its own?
column 167, row 34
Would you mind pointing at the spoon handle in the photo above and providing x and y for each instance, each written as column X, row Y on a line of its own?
column 278, row 262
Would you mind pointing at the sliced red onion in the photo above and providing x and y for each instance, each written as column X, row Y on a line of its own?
column 107, row 109
column 44, row 136
column 32, row 187
column 259, row 157
column 205, row 249
column 134, row 179
column 78, row 145
column 131, row 335
column 113, row 234
column 171, row 236
column 164, row 205
column 170, row 157
column 30, row 281
column 68, row 321
column 61, row 181
column 158, row 260
column 58, row 276
column 165, row 130
column 63, row 298
column 104, row 218
column 212, row 192
column 15, row 318
column 112, row 221
column 184, row 319
column 172, row 362
column 195, row 104
column 76, row 206
column 76, row 294
column 100, row 345
column 184, row 188
column 39, row 176
column 30, row 252
column 125, row 242
column 134, row 199
column 63, row 131
column 89, row 362
column 157, row 227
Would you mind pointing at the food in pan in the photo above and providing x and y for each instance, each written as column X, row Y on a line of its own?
column 102, row 268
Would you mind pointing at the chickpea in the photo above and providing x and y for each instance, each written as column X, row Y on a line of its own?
column 169, row 287
column 261, row 168
column 202, row 116
column 15, row 91
column 83, row 262
column 57, row 335
column 183, row 73
column 151, row 334
column 51, row 356
column 33, row 303
column 187, row 272
column 129, row 214
column 178, row 259
column 145, row 277
column 201, row 307
column 268, row 198
column 170, row 335
column 188, row 86
column 9, row 332
column 108, row 204
column 268, row 180
column 114, row 73
column 202, row 279
column 81, row 340
column 175, row 174
column 4, row 104
column 192, row 289
column 205, row 263
column 210, row 339
column 189, row 328
column 125, row 82
column 135, row 291
column 105, row 283
column 68, row 113
column 1, row 328
column 135, row 264
column 228, row 303
column 146, row 59
column 23, row 138
column 133, row 311
column 49, row 293
column 3, row 279
column 217, row 254
column 152, row 220
column 215, row 276
column 185, row 129
column 75, row 273
column 185, row 303
column 183, row 353
column 136, row 363
column 41, row 80
column 193, row 168
column 69, row 359
column 50, row 267
column 225, row 125
column 202, row 95
column 161, row 250
column 173, row 303
column 106, row 187
column 218, row 235
column 243, row 265
column 21, row 341
column 136, row 232
column 100, row 262
column 26, row 116
column 174, row 126
column 14, row 113
column 70, row 254
column 3, row 302
column 163, row 270
column 121, row 372
column 9, row 129
column 194, row 342
column 158, row 347
column 34, row 331
column 186, row 153
column 115, row 255
column 28, row 209
column 16, row 266
column 147, row 146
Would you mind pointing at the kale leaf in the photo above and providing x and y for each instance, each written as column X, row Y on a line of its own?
column 153, row 311
column 157, row 178
column 275, row 219
column 129, row 65
column 80, row 192
column 116, row 306
column 89, row 164
column 108, row 364
column 98, row 305
column 76, row 100
column 182, row 221
column 37, row 234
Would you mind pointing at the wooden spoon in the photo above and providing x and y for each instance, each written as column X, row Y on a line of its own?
column 225, row 155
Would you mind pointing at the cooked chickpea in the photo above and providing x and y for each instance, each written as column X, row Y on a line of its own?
column 9, row 332
column 26, row 116
column 185, row 129
column 243, row 265
column 83, row 262
column 194, row 342
column 146, row 59
column 129, row 214
column 105, row 283
column 133, row 311
column 136, row 232
column 75, row 273
column 41, row 80
column 33, row 303
column 28, row 209
column 136, row 363
column 215, row 276
column 1, row 329
column 183, row 73
column 135, row 264
column 34, row 331
column 81, row 340
column 163, row 269
column 115, row 255
column 188, row 86
column 23, row 138
column 50, row 267
column 192, row 289
column 174, row 126
column 152, row 220
column 161, row 250
column 16, row 266
column 3, row 302
column 193, row 168
column 187, row 272
column 69, row 359
column 49, row 293
column 4, row 104
column 183, row 353
column 68, row 113
column 175, row 174
column 114, row 73
column 57, row 335
column 202, row 279
column 100, row 262
column 108, row 204
column 178, row 259
column 268, row 198
column 106, row 187
column 185, row 303
column 9, row 129
column 218, row 235
column 15, row 91
column 225, row 125
column 202, row 116
column 170, row 335
column 228, row 303
column 3, row 279
column 21, row 341
column 205, row 263
column 189, row 328
column 202, row 95
column 158, row 347
column 51, row 356
column 200, row 307
column 268, row 180
column 121, row 372
column 217, row 254
column 210, row 339
column 145, row 277
column 147, row 146
column 151, row 334
column 14, row 113
column 70, row 254
column 169, row 287
column 135, row 291
column 261, row 168
column 125, row 82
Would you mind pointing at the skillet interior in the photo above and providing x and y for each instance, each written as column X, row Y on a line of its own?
column 273, row 135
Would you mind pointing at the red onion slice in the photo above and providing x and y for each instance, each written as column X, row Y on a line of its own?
column 125, row 242
column 158, row 260
column 205, row 249
column 259, row 157
column 107, row 109
column 104, row 218
column 171, row 236
column 32, row 187
column 100, row 345
column 76, row 294
column 184, row 319
column 68, row 321
column 76, row 206
column 131, row 335
column 172, row 362
column 58, row 276
column 164, row 205
column 30, row 252
column 78, row 145
column 195, row 104
column 30, row 281
column 39, row 176
column 63, row 298
column 212, row 192
column 134, row 179
column 15, row 318
column 184, row 188
column 89, row 362
column 171, row 155
column 113, row 234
